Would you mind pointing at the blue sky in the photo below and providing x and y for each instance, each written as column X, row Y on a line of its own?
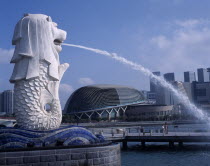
column 162, row 35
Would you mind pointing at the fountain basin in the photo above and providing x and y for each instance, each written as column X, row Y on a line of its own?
column 87, row 155
column 71, row 145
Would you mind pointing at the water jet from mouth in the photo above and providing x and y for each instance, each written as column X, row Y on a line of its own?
column 181, row 96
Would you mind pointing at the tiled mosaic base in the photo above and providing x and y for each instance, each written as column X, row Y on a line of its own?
column 15, row 138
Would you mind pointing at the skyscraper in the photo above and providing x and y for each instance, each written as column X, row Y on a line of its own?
column 208, row 70
column 7, row 101
column 202, row 92
column 203, row 75
column 156, row 90
column 162, row 93
column 169, row 77
column 153, row 82
column 189, row 76
column 1, row 102
column 182, row 87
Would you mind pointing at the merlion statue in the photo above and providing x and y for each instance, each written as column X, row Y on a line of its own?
column 37, row 72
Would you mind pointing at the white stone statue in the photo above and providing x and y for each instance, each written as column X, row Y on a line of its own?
column 37, row 72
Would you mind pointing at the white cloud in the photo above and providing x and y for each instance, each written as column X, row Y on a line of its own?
column 188, row 23
column 65, row 90
column 192, row 23
column 85, row 81
column 172, row 2
column 187, row 47
column 160, row 41
column 5, row 55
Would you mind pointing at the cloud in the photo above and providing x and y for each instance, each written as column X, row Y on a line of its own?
column 5, row 55
column 85, row 81
column 186, row 47
column 171, row 2
column 188, row 23
column 192, row 23
column 65, row 90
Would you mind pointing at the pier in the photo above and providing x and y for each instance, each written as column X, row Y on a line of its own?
column 171, row 138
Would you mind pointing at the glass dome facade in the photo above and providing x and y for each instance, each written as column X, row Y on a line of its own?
column 101, row 97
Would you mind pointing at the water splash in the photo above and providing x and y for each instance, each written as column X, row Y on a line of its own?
column 180, row 95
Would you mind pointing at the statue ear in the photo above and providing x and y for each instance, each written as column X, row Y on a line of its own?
column 22, row 37
column 17, row 33
column 25, row 48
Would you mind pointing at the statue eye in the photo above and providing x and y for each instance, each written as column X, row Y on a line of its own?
column 49, row 19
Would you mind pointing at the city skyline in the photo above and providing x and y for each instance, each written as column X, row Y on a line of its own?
column 156, row 89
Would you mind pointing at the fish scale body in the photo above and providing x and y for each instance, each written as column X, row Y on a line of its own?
column 28, row 108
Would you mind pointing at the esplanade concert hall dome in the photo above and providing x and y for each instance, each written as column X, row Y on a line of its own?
column 94, row 97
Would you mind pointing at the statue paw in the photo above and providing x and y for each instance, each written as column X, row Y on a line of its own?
column 64, row 65
column 62, row 68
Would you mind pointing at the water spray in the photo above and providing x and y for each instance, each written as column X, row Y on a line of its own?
column 180, row 95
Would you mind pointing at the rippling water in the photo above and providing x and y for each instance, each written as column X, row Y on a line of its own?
column 161, row 155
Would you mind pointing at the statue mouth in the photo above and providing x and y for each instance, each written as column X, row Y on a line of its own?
column 57, row 42
column 59, row 37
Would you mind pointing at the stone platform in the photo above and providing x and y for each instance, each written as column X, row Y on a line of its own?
column 108, row 155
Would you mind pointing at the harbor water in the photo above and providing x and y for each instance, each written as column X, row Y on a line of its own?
column 159, row 154
column 162, row 155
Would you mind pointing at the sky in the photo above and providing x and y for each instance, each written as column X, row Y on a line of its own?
column 162, row 35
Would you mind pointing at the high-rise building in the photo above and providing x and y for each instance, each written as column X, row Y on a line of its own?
column 208, row 70
column 184, row 88
column 170, row 77
column 7, row 101
column 153, row 82
column 151, row 97
column 144, row 92
column 1, row 102
column 202, row 92
column 189, row 76
column 156, row 89
column 203, row 75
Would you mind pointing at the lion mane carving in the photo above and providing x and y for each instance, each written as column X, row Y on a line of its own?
column 37, row 72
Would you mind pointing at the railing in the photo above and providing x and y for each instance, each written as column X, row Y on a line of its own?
column 112, row 133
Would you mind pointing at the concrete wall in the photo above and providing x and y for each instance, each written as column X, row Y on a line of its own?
column 203, row 98
column 91, row 156
column 149, row 112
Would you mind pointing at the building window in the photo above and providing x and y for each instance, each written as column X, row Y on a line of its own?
column 201, row 92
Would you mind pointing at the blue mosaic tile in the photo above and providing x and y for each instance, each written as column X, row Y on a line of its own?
column 70, row 135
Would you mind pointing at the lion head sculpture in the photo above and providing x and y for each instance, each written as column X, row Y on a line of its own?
column 36, row 38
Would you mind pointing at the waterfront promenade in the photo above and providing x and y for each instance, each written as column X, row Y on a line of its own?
column 135, row 135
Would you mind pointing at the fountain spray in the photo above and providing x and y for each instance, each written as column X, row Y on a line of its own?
column 180, row 95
